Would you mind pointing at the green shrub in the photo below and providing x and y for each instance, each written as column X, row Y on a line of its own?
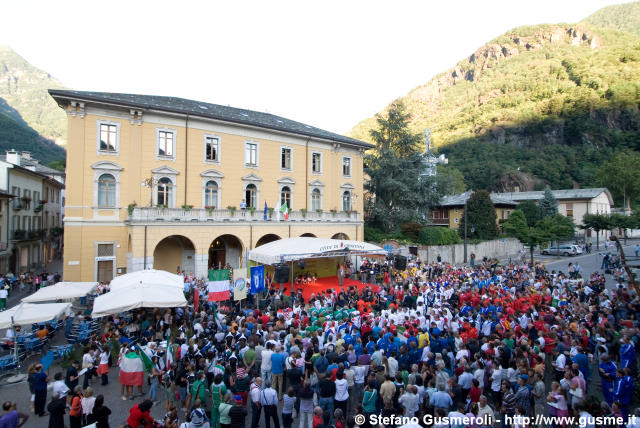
column 438, row 236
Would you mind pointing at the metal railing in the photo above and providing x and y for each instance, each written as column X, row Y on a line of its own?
column 155, row 214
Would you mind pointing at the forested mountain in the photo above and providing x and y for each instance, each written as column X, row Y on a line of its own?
column 30, row 119
column 544, row 104
column 624, row 17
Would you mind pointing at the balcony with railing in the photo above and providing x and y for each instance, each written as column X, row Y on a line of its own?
column 203, row 215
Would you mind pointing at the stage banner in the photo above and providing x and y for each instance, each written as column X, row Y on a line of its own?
column 257, row 279
column 240, row 289
column 218, row 285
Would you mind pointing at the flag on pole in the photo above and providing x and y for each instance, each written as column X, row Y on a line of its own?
column 264, row 216
column 169, row 361
column 215, row 316
column 257, row 279
column 285, row 211
column 131, row 370
column 147, row 364
column 218, row 285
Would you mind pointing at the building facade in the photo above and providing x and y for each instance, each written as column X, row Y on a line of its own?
column 451, row 209
column 31, row 239
column 181, row 185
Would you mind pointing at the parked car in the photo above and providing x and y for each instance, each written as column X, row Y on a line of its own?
column 562, row 250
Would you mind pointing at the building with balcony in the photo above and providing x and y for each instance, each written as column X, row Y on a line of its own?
column 451, row 209
column 182, row 185
column 32, row 240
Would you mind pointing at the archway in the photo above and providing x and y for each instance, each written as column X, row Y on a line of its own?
column 270, row 237
column 175, row 253
column 308, row 235
column 225, row 249
column 340, row 236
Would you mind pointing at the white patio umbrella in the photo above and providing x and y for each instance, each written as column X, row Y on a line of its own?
column 149, row 276
column 31, row 313
column 140, row 295
column 62, row 291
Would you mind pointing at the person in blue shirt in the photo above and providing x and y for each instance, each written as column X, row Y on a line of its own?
column 623, row 389
column 627, row 353
column 607, row 369
column 358, row 348
column 371, row 346
column 414, row 353
column 40, row 380
column 277, row 371
column 321, row 363
column 582, row 361
column 375, row 331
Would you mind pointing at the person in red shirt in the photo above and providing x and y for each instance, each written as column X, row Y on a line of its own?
column 140, row 414
column 475, row 392
column 318, row 420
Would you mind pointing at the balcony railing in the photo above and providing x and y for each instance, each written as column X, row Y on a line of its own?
column 153, row 214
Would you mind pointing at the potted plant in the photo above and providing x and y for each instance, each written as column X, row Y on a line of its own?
column 270, row 211
column 210, row 209
column 186, row 207
column 232, row 210
column 19, row 234
column 130, row 208
column 161, row 206
column 333, row 213
column 303, row 211
column 319, row 211
column 252, row 210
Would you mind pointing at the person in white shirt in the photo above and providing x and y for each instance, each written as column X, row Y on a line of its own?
column 265, row 367
column 341, row 397
column 409, row 400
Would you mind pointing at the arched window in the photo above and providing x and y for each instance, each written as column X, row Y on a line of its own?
column 285, row 197
column 251, row 196
column 106, row 191
column 165, row 192
column 346, row 201
column 211, row 194
column 316, row 200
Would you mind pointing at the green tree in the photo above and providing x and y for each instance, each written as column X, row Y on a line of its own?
column 621, row 175
column 557, row 228
column 597, row 223
column 531, row 212
column 530, row 236
column 398, row 192
column 548, row 204
column 450, row 180
column 481, row 217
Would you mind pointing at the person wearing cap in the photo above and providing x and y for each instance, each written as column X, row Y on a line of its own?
column 523, row 394
column 607, row 370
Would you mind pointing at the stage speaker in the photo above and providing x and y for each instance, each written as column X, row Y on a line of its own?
column 400, row 262
column 281, row 275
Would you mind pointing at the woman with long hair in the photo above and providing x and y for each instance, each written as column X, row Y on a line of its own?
column 30, row 379
column 100, row 413
column 75, row 412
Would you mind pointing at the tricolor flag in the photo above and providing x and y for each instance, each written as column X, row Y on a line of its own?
column 285, row 211
column 218, row 285
column 147, row 364
column 131, row 370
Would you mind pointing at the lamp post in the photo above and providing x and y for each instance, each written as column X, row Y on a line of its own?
column 465, row 231
column 149, row 183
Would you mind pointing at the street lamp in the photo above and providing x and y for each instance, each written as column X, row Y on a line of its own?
column 149, row 183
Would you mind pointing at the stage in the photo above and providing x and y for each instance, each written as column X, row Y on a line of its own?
column 326, row 283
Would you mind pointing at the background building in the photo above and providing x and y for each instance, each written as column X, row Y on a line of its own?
column 451, row 209
column 160, row 182
column 32, row 221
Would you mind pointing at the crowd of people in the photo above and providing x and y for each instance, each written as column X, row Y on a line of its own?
column 484, row 341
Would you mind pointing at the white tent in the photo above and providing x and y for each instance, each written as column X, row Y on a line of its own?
column 30, row 313
column 291, row 249
column 62, row 291
column 138, row 296
column 148, row 277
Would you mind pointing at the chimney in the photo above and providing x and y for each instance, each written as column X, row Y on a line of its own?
column 26, row 155
column 13, row 157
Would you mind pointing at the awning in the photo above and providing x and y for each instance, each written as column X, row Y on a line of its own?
column 147, row 277
column 138, row 296
column 31, row 313
column 292, row 249
column 62, row 291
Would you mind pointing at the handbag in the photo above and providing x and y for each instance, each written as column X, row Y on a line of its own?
column 314, row 379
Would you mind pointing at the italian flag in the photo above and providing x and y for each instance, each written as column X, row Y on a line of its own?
column 218, row 285
column 285, row 211
column 131, row 370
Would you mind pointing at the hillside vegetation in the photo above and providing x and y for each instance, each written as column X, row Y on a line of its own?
column 624, row 17
column 543, row 104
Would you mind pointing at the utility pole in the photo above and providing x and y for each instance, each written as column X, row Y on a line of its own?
column 466, row 225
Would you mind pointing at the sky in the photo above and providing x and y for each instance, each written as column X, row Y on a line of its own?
column 326, row 63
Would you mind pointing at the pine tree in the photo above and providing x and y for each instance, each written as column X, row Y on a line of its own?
column 548, row 204
column 481, row 217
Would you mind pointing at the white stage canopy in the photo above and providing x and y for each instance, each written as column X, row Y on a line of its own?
column 147, row 277
column 31, row 313
column 62, row 291
column 138, row 296
column 292, row 249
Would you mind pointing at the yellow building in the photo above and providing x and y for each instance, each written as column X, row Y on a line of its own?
column 163, row 182
column 451, row 209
